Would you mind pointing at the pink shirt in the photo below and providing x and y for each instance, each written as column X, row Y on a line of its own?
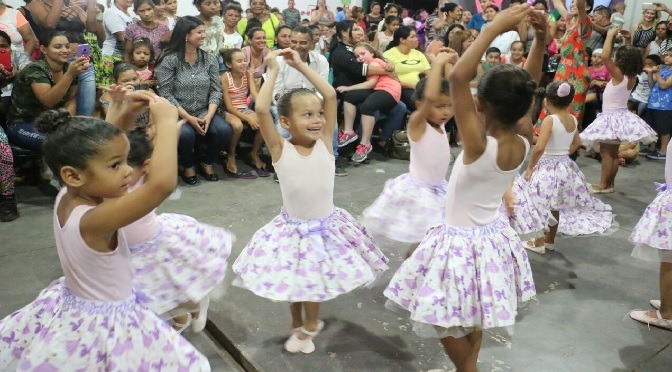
column 89, row 274
column 601, row 74
column 616, row 96
column 385, row 82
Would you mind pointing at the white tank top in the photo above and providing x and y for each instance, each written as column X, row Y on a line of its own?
column 668, row 165
column 306, row 182
column 430, row 157
column 475, row 190
column 560, row 140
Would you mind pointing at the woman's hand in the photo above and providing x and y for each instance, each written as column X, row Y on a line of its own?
column 77, row 66
column 660, row 7
column 509, row 19
column 196, row 123
column 205, row 122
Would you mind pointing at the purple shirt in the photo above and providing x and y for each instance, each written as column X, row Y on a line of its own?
column 135, row 31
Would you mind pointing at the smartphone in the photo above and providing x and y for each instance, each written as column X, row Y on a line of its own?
column 648, row 6
column 6, row 59
column 84, row 50
column 142, row 86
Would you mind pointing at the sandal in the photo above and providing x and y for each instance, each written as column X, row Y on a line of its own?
column 180, row 327
column 658, row 321
column 597, row 189
column 529, row 245
column 306, row 346
column 261, row 172
column 241, row 175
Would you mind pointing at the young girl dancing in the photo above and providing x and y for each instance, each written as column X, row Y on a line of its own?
column 92, row 320
column 468, row 273
column 237, row 90
column 554, row 180
column 616, row 124
column 178, row 263
column 313, row 251
column 653, row 243
column 386, row 94
column 413, row 203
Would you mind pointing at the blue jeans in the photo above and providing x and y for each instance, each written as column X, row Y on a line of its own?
column 394, row 120
column 25, row 135
column 216, row 138
column 86, row 92
column 285, row 133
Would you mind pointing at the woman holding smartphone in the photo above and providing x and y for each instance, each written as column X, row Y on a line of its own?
column 69, row 17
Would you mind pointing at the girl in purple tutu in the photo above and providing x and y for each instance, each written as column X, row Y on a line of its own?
column 653, row 242
column 92, row 319
column 313, row 251
column 616, row 124
column 555, row 182
column 178, row 263
column 413, row 203
column 469, row 272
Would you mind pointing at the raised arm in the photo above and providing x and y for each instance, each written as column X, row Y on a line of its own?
column 263, row 108
column 616, row 73
column 468, row 120
column 101, row 223
column 46, row 17
column 560, row 7
column 535, row 58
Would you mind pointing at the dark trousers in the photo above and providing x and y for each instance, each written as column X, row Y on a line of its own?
column 215, row 139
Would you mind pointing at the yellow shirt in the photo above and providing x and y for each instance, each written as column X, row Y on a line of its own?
column 269, row 27
column 407, row 66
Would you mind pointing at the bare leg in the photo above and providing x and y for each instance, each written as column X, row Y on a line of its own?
column 256, row 146
column 664, row 141
column 312, row 312
column 464, row 351
column 349, row 113
column 666, row 290
column 553, row 230
column 607, row 163
column 368, row 122
column 237, row 126
column 615, row 165
column 296, row 309
column 412, row 249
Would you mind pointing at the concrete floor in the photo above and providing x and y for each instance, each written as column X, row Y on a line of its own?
column 579, row 321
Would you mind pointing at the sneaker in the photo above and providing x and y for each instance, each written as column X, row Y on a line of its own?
column 8, row 208
column 340, row 171
column 655, row 156
column 361, row 153
column 346, row 138
column 645, row 151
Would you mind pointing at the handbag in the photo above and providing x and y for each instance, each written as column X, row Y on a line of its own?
column 400, row 148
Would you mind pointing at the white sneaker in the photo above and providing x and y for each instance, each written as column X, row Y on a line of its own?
column 658, row 321
column 529, row 245
column 655, row 303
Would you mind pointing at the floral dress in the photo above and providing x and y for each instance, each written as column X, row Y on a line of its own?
column 573, row 65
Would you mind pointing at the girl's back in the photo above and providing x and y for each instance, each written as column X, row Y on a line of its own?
column 562, row 135
column 475, row 190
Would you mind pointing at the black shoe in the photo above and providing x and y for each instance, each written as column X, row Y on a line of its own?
column 275, row 178
column 8, row 208
column 212, row 177
column 189, row 180
column 340, row 171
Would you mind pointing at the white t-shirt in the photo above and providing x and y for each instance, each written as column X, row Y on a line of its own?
column 642, row 90
column 503, row 41
column 233, row 40
column 114, row 20
column 9, row 25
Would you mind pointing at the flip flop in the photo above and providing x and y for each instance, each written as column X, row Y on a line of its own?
column 261, row 172
column 241, row 175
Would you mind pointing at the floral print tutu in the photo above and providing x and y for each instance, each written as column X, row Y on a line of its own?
column 529, row 220
column 616, row 126
column 61, row 331
column 463, row 278
column 406, row 209
column 316, row 260
column 557, row 184
column 185, row 261
column 653, row 234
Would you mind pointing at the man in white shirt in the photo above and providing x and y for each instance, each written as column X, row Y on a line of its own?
column 289, row 78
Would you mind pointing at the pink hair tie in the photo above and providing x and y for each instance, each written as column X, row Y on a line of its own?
column 564, row 89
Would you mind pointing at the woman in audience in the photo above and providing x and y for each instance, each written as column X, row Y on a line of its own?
column 282, row 37
column 321, row 15
column 60, row 15
column 644, row 31
column 146, row 27
column 460, row 41
column 408, row 62
column 373, row 18
column 209, row 11
column 189, row 78
column 268, row 21
column 16, row 26
column 662, row 33
column 435, row 46
column 115, row 20
column 255, row 53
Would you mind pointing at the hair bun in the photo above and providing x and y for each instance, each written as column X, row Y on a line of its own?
column 564, row 89
column 49, row 121
column 531, row 84
column 540, row 93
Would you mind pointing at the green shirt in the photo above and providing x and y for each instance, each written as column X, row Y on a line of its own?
column 269, row 27
column 25, row 106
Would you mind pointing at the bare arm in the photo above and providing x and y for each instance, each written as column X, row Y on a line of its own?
column 48, row 95
column 576, row 143
column 263, row 108
column 47, row 18
column 536, row 57
column 560, row 7
column 28, row 38
column 542, row 141
column 71, row 101
column 228, row 105
column 616, row 73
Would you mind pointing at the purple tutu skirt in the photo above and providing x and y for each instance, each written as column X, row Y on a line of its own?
column 616, row 126
column 653, row 234
column 317, row 260
column 60, row 331
column 463, row 278
column 557, row 184
column 529, row 220
column 406, row 209
column 185, row 261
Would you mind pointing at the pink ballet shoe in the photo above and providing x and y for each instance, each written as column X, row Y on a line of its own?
column 529, row 245
column 658, row 321
column 180, row 327
column 655, row 304
column 198, row 324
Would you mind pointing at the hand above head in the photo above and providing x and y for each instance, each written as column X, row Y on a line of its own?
column 446, row 56
column 292, row 57
column 163, row 113
column 509, row 18
column 539, row 22
column 613, row 31
column 271, row 59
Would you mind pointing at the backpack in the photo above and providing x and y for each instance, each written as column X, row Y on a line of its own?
column 400, row 147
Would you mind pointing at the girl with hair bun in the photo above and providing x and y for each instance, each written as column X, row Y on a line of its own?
column 555, row 182
column 92, row 319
